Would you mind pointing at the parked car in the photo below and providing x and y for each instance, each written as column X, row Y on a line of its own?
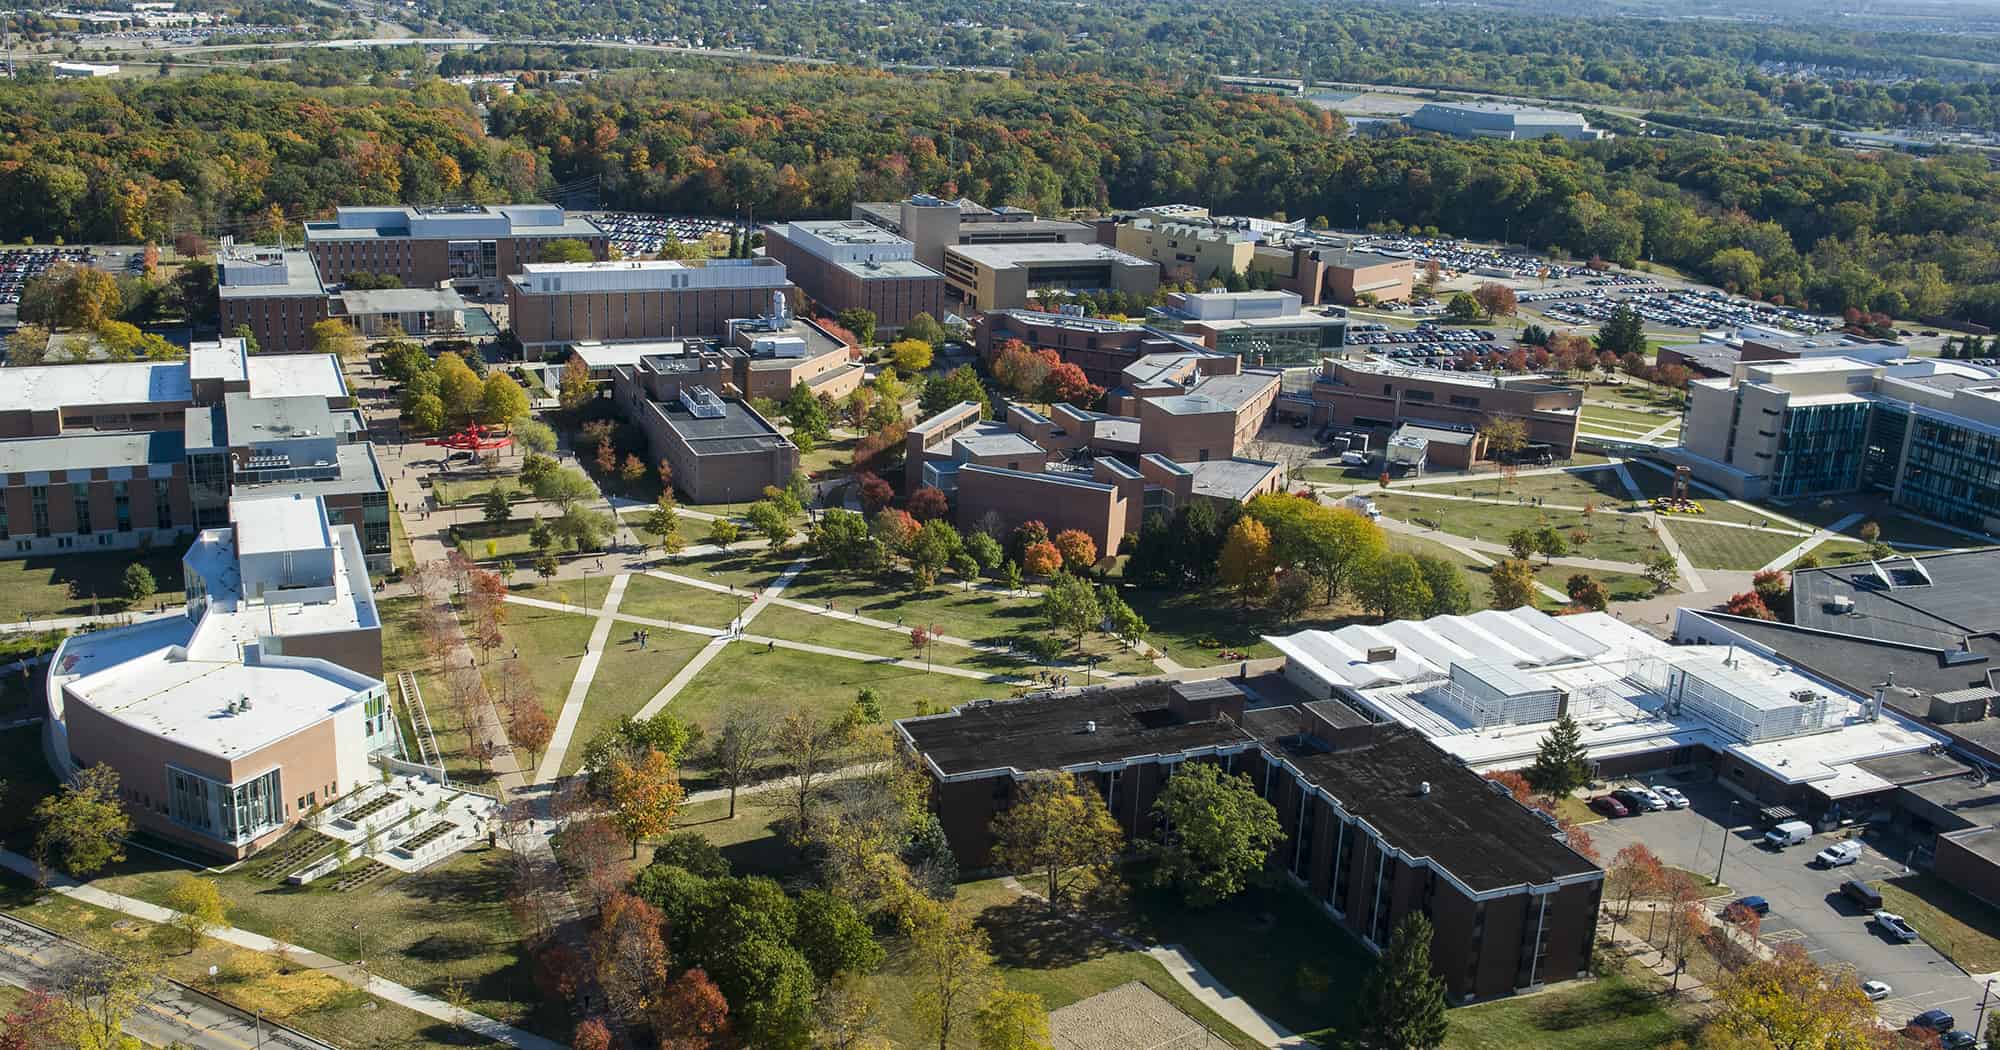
column 1756, row 904
column 1876, row 991
column 1839, row 854
column 1863, row 894
column 1609, row 806
column 1957, row 1039
column 1635, row 800
column 1790, row 833
column 1673, row 798
column 1649, row 800
column 1896, row 926
column 1935, row 1020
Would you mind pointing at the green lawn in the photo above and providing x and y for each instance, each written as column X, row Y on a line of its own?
column 977, row 615
column 753, row 569
column 1897, row 528
column 452, row 493
column 1624, row 586
column 1964, row 928
column 628, row 676
column 83, row 584
column 315, row 1003
column 1626, row 418
column 509, row 539
column 775, row 681
column 1722, row 547
column 1619, row 1011
column 656, row 599
column 1574, row 488
column 1612, row 536
column 587, row 592
column 780, row 621
column 403, row 650
column 400, row 555
column 450, row 921
column 751, row 843
column 830, row 457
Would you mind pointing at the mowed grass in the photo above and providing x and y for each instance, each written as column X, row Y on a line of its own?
column 313, row 1002
column 627, row 677
column 1723, row 547
column 83, row 584
column 1627, row 418
column 1618, row 1011
column 775, row 681
column 1964, row 928
column 450, row 922
column 746, row 569
column 1574, row 488
column 780, row 621
column 1612, row 536
column 657, row 599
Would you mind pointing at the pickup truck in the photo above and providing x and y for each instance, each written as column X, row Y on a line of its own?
column 1895, row 926
column 1838, row 854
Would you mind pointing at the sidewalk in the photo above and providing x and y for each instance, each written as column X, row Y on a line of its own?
column 401, row 995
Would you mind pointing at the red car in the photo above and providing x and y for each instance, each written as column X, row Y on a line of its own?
column 1609, row 806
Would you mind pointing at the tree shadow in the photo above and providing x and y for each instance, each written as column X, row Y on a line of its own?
column 1027, row 934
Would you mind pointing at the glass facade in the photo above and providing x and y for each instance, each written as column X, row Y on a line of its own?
column 1953, row 473
column 1275, row 346
column 1820, row 449
column 1887, row 430
column 233, row 812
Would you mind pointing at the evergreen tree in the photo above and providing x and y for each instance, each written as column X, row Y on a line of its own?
column 1624, row 332
column 1560, row 764
column 1403, row 1000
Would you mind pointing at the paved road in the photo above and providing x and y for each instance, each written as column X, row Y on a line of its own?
column 1806, row 905
column 174, row 1016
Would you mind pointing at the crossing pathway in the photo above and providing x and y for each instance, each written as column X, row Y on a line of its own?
column 579, row 687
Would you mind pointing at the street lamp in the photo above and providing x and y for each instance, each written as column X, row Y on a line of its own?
column 1723, row 850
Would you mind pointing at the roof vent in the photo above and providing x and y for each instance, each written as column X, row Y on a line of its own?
column 1424, row 788
column 1090, row 726
column 1841, row 603
column 1381, row 654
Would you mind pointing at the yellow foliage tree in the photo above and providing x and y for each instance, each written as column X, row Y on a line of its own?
column 1246, row 565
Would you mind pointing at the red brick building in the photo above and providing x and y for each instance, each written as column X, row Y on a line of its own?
column 474, row 246
column 850, row 264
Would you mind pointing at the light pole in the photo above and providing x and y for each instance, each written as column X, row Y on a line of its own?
column 1985, row 997
column 1723, row 850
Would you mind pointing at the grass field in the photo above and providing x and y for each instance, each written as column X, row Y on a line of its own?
column 509, row 539
column 449, row 922
column 780, row 621
column 1619, row 1011
column 1627, row 418
column 775, row 681
column 1722, row 547
column 753, row 569
column 452, row 493
column 830, row 457
column 627, row 676
column 1964, row 928
column 82, row 584
column 1614, row 537
column 1572, row 488
column 1897, row 529
column 657, row 599
column 315, row 1003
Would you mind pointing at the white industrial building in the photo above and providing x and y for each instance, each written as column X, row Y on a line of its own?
column 1493, row 120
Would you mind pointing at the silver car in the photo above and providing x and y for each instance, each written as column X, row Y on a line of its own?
column 1673, row 798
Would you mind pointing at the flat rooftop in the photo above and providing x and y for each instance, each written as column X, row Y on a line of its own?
column 234, row 620
column 91, row 450
column 846, row 231
column 1935, row 600
column 1008, row 256
column 359, row 474
column 294, row 270
column 1053, row 732
column 401, row 300
column 1219, row 394
column 186, row 701
column 41, row 388
column 280, row 524
column 261, row 420
column 1231, row 479
column 1357, row 258
column 738, row 429
column 287, row 375
column 994, row 440
column 606, row 355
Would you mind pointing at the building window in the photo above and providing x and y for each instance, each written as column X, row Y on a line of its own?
column 253, row 807
column 38, row 500
column 188, row 800
column 163, row 504
column 80, row 493
column 121, row 504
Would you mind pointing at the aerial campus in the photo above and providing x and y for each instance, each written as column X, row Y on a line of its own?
column 530, row 531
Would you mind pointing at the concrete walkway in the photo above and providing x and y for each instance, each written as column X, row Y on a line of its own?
column 714, row 648
column 71, row 623
column 1691, row 580
column 1803, row 547
column 390, row 991
column 579, row 687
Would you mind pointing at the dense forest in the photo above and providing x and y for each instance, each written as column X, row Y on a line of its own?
column 224, row 153
column 1695, row 66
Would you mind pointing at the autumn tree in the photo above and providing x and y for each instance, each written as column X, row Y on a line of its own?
column 575, row 388
column 810, row 747
column 1059, row 830
column 928, row 503
column 1078, row 550
column 197, row 906
column 953, row 963
column 690, row 1013
column 1750, row 604
column 334, row 336
column 1511, row 584
column 84, row 825
column 737, row 750
column 910, row 355
column 628, row 951
column 1496, row 299
column 501, row 399
column 1789, row 1000
column 1246, row 565
column 645, row 795
column 1041, row 558
column 1010, row 1020
column 529, row 726
column 1635, row 871
column 1216, row 833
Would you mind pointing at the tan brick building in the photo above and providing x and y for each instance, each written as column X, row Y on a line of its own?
column 1003, row 276
column 1377, row 396
column 276, row 293
column 849, row 264
column 554, row 303
column 474, row 247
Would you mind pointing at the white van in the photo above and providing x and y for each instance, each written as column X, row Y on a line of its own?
column 1790, row 833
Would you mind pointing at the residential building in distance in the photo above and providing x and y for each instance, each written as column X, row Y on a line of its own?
column 1101, row 473
column 1004, row 276
column 851, row 264
column 551, row 303
column 932, row 224
column 1494, row 120
column 1378, row 820
column 263, row 699
column 474, row 248
column 275, row 292
column 1923, row 431
column 720, row 449
column 134, row 454
column 1375, row 395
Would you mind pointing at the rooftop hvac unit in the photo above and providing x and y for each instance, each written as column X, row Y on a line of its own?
column 702, row 403
column 1381, row 654
column 1841, row 604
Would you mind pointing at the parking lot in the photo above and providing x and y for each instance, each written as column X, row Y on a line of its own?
column 1807, row 907
column 635, row 234
column 1671, row 308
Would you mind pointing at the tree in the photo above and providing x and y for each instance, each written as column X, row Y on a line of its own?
column 1402, row 1001
column 1662, row 571
column 497, row 505
column 1561, row 764
column 1009, row 1020
column 1635, row 872
column 860, row 321
column 460, row 387
column 1070, row 604
column 424, row 414
column 1586, row 592
column 334, row 336
column 1078, row 550
column 1216, row 833
column 1749, row 604
column 70, row 296
column 1058, row 830
column 722, row 532
column 1246, row 565
column 1511, row 583
column 1462, row 307
column 1504, row 436
column 591, row 1035
column 1789, row 1000
column 959, row 384
column 1624, row 332
column 1394, row 588
column 532, row 435
column 768, row 519
column 529, row 726
column 501, row 399
column 1450, row 595
column 139, row 583
column 833, row 936
column 953, row 964
column 690, row 1013
column 809, row 420
column 84, row 826
column 645, row 795
column 575, row 389
column 1869, row 532
column 910, row 355
column 737, row 750
column 197, row 906
column 1041, row 558
column 629, row 953
column 661, row 521
column 927, row 503
column 1495, row 299
column 566, row 250
column 810, row 746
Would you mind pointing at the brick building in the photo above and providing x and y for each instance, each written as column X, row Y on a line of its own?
column 1378, row 821
column 275, row 292
column 849, row 264
column 1006, row 276
column 1374, row 395
column 720, row 449
column 932, row 225
column 473, row 247
column 553, row 303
